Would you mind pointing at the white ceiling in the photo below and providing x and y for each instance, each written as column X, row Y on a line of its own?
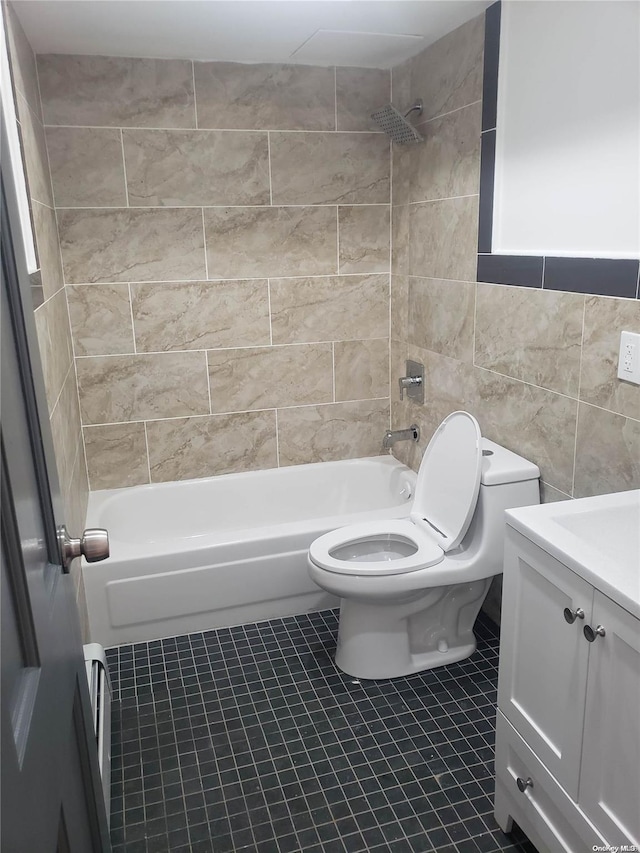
column 374, row 33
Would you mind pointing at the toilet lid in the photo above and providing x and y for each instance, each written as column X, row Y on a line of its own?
column 449, row 480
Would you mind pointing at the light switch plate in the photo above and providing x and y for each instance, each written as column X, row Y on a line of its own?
column 629, row 357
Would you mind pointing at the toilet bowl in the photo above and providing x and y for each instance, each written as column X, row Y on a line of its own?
column 411, row 588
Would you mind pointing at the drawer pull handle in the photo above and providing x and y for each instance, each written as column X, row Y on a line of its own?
column 591, row 633
column 523, row 784
column 571, row 615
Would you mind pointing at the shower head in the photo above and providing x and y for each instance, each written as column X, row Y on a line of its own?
column 396, row 125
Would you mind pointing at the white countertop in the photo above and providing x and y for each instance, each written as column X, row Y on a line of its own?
column 598, row 538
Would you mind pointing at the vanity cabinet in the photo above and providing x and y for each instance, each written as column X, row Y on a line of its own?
column 568, row 729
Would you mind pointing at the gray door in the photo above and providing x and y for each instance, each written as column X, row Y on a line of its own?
column 51, row 797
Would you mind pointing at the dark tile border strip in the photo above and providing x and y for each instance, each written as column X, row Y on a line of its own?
column 519, row 270
column 597, row 276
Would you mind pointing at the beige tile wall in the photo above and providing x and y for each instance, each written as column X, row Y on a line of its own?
column 51, row 313
column 537, row 368
column 225, row 237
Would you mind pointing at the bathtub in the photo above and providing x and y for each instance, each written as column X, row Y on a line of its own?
column 227, row 550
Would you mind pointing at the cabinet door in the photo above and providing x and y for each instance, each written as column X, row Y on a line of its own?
column 543, row 659
column 610, row 772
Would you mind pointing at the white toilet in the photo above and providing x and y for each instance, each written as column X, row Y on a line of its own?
column 411, row 588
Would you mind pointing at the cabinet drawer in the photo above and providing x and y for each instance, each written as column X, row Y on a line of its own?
column 545, row 812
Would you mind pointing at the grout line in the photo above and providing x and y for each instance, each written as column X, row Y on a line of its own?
column 224, row 129
column 223, row 349
column 64, row 382
column 269, row 163
column 391, row 288
column 146, row 442
column 575, row 442
column 449, row 113
column 333, row 370
column 232, row 280
column 124, row 169
column 195, row 101
column 277, row 439
column 475, row 319
column 243, row 412
column 232, row 206
column 270, row 318
column 338, row 238
column 444, row 198
column 206, row 362
column 204, row 243
column 133, row 325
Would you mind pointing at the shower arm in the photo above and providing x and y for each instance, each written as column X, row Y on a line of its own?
column 417, row 107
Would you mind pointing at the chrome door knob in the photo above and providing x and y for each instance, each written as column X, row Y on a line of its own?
column 592, row 633
column 93, row 545
column 571, row 615
column 523, row 784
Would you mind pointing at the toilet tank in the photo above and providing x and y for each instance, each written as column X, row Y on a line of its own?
column 507, row 481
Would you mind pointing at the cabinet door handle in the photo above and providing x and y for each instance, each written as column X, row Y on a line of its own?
column 523, row 784
column 571, row 615
column 591, row 633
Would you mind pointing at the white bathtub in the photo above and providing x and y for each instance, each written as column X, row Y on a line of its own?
column 202, row 554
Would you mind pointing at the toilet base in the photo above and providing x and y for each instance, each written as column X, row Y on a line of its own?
column 390, row 640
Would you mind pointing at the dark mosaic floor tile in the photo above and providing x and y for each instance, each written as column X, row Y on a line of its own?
column 249, row 739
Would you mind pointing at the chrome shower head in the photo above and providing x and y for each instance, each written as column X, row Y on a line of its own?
column 396, row 125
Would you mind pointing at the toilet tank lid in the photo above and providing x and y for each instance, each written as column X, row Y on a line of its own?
column 500, row 465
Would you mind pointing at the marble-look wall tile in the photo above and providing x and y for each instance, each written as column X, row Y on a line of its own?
column 34, row 152
column 527, row 333
column 446, row 164
column 360, row 91
column 131, row 245
column 22, row 59
column 46, row 236
column 330, row 168
column 447, row 75
column 361, row 369
column 100, row 317
column 54, row 340
column 200, row 315
column 549, row 495
column 265, row 96
column 77, row 497
column 441, row 316
column 116, row 455
column 196, row 167
column 269, row 377
column 334, row 431
column 443, row 239
column 604, row 319
column 400, row 239
column 202, row 447
column 110, row 91
column 121, row 388
column 329, row 309
column 607, row 453
column 399, row 307
column 87, row 169
column 66, row 431
column 364, row 237
column 271, row 241
column 538, row 424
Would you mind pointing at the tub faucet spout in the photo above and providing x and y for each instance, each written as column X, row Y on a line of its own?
column 391, row 436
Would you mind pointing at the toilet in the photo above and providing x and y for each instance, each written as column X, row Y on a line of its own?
column 411, row 588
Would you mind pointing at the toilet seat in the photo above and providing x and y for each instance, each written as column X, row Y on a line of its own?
column 364, row 537
column 445, row 499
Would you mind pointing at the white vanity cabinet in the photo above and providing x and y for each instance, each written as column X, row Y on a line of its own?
column 568, row 728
